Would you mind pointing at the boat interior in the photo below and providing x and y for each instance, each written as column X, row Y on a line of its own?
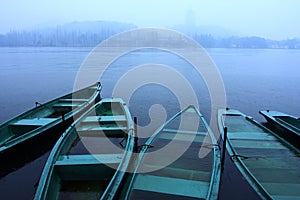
column 43, row 115
column 274, row 163
column 181, row 178
column 91, row 153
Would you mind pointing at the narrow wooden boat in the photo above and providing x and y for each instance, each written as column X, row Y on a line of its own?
column 33, row 133
column 48, row 120
column 180, row 161
column 285, row 125
column 90, row 160
column 268, row 162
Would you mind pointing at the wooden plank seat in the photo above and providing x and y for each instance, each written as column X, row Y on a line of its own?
column 283, row 191
column 101, row 131
column 115, row 118
column 34, row 122
column 180, row 173
column 257, row 144
column 110, row 133
column 101, row 128
column 66, row 104
column 87, row 167
column 73, row 100
column 182, row 137
column 184, row 131
column 174, row 186
column 251, row 136
column 89, row 159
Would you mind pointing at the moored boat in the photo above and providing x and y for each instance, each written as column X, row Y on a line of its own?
column 179, row 161
column 287, row 126
column 268, row 162
column 91, row 158
column 25, row 134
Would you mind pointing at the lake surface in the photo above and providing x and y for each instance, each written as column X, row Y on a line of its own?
column 253, row 79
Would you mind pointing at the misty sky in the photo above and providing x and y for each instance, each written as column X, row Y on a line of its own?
column 274, row 19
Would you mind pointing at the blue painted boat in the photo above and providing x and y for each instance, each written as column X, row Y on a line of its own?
column 89, row 161
column 185, row 163
column 287, row 126
column 46, row 116
column 269, row 163
column 31, row 134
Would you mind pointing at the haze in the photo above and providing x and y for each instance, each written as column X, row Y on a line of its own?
column 273, row 19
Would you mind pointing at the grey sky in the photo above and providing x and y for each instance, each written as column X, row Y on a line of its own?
column 275, row 19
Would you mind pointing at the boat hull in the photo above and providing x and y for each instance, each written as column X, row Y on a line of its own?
column 268, row 162
column 193, row 173
column 92, row 155
column 281, row 128
column 35, row 143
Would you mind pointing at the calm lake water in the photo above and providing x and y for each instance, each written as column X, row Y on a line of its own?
column 253, row 79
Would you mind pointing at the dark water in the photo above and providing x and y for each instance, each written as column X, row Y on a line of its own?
column 253, row 79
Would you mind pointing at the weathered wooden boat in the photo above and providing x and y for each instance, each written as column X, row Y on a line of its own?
column 179, row 161
column 46, row 121
column 268, row 162
column 287, row 126
column 90, row 160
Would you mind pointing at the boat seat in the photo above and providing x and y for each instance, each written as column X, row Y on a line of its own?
column 184, row 131
column 180, row 173
column 261, row 136
column 257, row 144
column 115, row 118
column 101, row 128
column 34, row 122
column 283, row 190
column 103, row 131
column 181, row 137
column 66, row 104
column 174, row 186
column 73, row 100
column 89, row 159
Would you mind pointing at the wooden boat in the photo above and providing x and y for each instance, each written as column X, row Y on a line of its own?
column 92, row 156
column 285, row 125
column 268, row 163
column 46, row 120
column 182, row 170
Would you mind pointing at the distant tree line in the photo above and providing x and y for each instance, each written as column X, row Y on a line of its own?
column 92, row 33
column 253, row 42
column 72, row 34
column 59, row 38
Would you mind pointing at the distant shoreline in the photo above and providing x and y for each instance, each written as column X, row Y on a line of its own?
column 90, row 34
column 40, row 46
